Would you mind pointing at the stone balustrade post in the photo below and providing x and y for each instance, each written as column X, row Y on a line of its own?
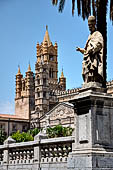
column 8, row 141
column 37, row 149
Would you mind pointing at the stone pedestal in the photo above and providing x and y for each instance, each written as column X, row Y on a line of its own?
column 93, row 147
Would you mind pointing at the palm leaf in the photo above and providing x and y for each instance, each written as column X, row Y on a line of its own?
column 73, row 6
column 79, row 7
column 61, row 5
column 94, row 7
column 83, row 9
column 111, row 10
column 54, row 2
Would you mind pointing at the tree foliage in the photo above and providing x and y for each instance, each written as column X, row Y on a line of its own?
column 84, row 7
column 59, row 131
column 34, row 132
column 22, row 137
column 3, row 136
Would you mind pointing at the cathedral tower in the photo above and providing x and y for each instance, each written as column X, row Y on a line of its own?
column 46, row 69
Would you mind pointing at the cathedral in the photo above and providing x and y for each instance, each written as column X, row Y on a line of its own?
column 41, row 98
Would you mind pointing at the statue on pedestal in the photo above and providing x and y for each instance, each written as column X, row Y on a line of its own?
column 92, row 69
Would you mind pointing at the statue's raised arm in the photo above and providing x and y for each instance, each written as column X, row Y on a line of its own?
column 92, row 69
column 82, row 50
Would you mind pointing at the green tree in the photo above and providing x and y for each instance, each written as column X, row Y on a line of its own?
column 99, row 9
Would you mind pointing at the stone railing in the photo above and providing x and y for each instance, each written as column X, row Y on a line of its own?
column 1, row 154
column 56, row 151
column 21, row 155
column 40, row 150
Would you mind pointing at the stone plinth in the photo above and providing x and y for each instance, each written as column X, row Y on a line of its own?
column 93, row 147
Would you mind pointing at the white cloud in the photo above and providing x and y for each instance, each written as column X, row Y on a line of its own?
column 6, row 108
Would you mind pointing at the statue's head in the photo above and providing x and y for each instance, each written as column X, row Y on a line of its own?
column 91, row 23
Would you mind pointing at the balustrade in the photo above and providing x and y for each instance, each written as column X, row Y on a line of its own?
column 55, row 152
column 1, row 156
column 20, row 154
column 42, row 150
column 60, row 150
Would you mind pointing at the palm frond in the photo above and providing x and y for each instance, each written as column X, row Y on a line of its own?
column 79, row 7
column 88, row 5
column 83, row 9
column 61, row 5
column 86, row 8
column 94, row 7
column 73, row 6
column 111, row 10
column 54, row 2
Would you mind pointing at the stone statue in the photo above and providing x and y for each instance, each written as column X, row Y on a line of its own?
column 92, row 69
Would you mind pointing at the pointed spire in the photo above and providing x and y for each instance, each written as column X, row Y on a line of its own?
column 62, row 74
column 46, row 37
column 18, row 70
column 29, row 68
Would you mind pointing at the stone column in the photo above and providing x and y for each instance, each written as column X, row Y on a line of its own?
column 37, row 149
column 8, row 141
column 93, row 147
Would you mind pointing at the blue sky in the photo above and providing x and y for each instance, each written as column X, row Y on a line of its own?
column 23, row 24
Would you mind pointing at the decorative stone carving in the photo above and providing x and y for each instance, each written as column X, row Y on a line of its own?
column 92, row 69
column 62, row 114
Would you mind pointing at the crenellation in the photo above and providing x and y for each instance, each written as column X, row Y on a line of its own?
column 110, row 87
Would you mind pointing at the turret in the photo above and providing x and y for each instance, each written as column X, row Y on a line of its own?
column 38, row 52
column 18, row 83
column 29, row 82
column 62, row 81
column 56, row 47
column 24, row 101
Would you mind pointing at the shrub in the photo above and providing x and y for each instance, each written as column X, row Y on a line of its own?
column 22, row 137
column 59, row 131
column 34, row 132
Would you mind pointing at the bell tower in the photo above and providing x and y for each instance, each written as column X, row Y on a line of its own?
column 46, row 69
column 47, row 52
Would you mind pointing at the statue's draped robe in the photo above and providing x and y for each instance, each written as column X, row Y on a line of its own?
column 93, row 58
